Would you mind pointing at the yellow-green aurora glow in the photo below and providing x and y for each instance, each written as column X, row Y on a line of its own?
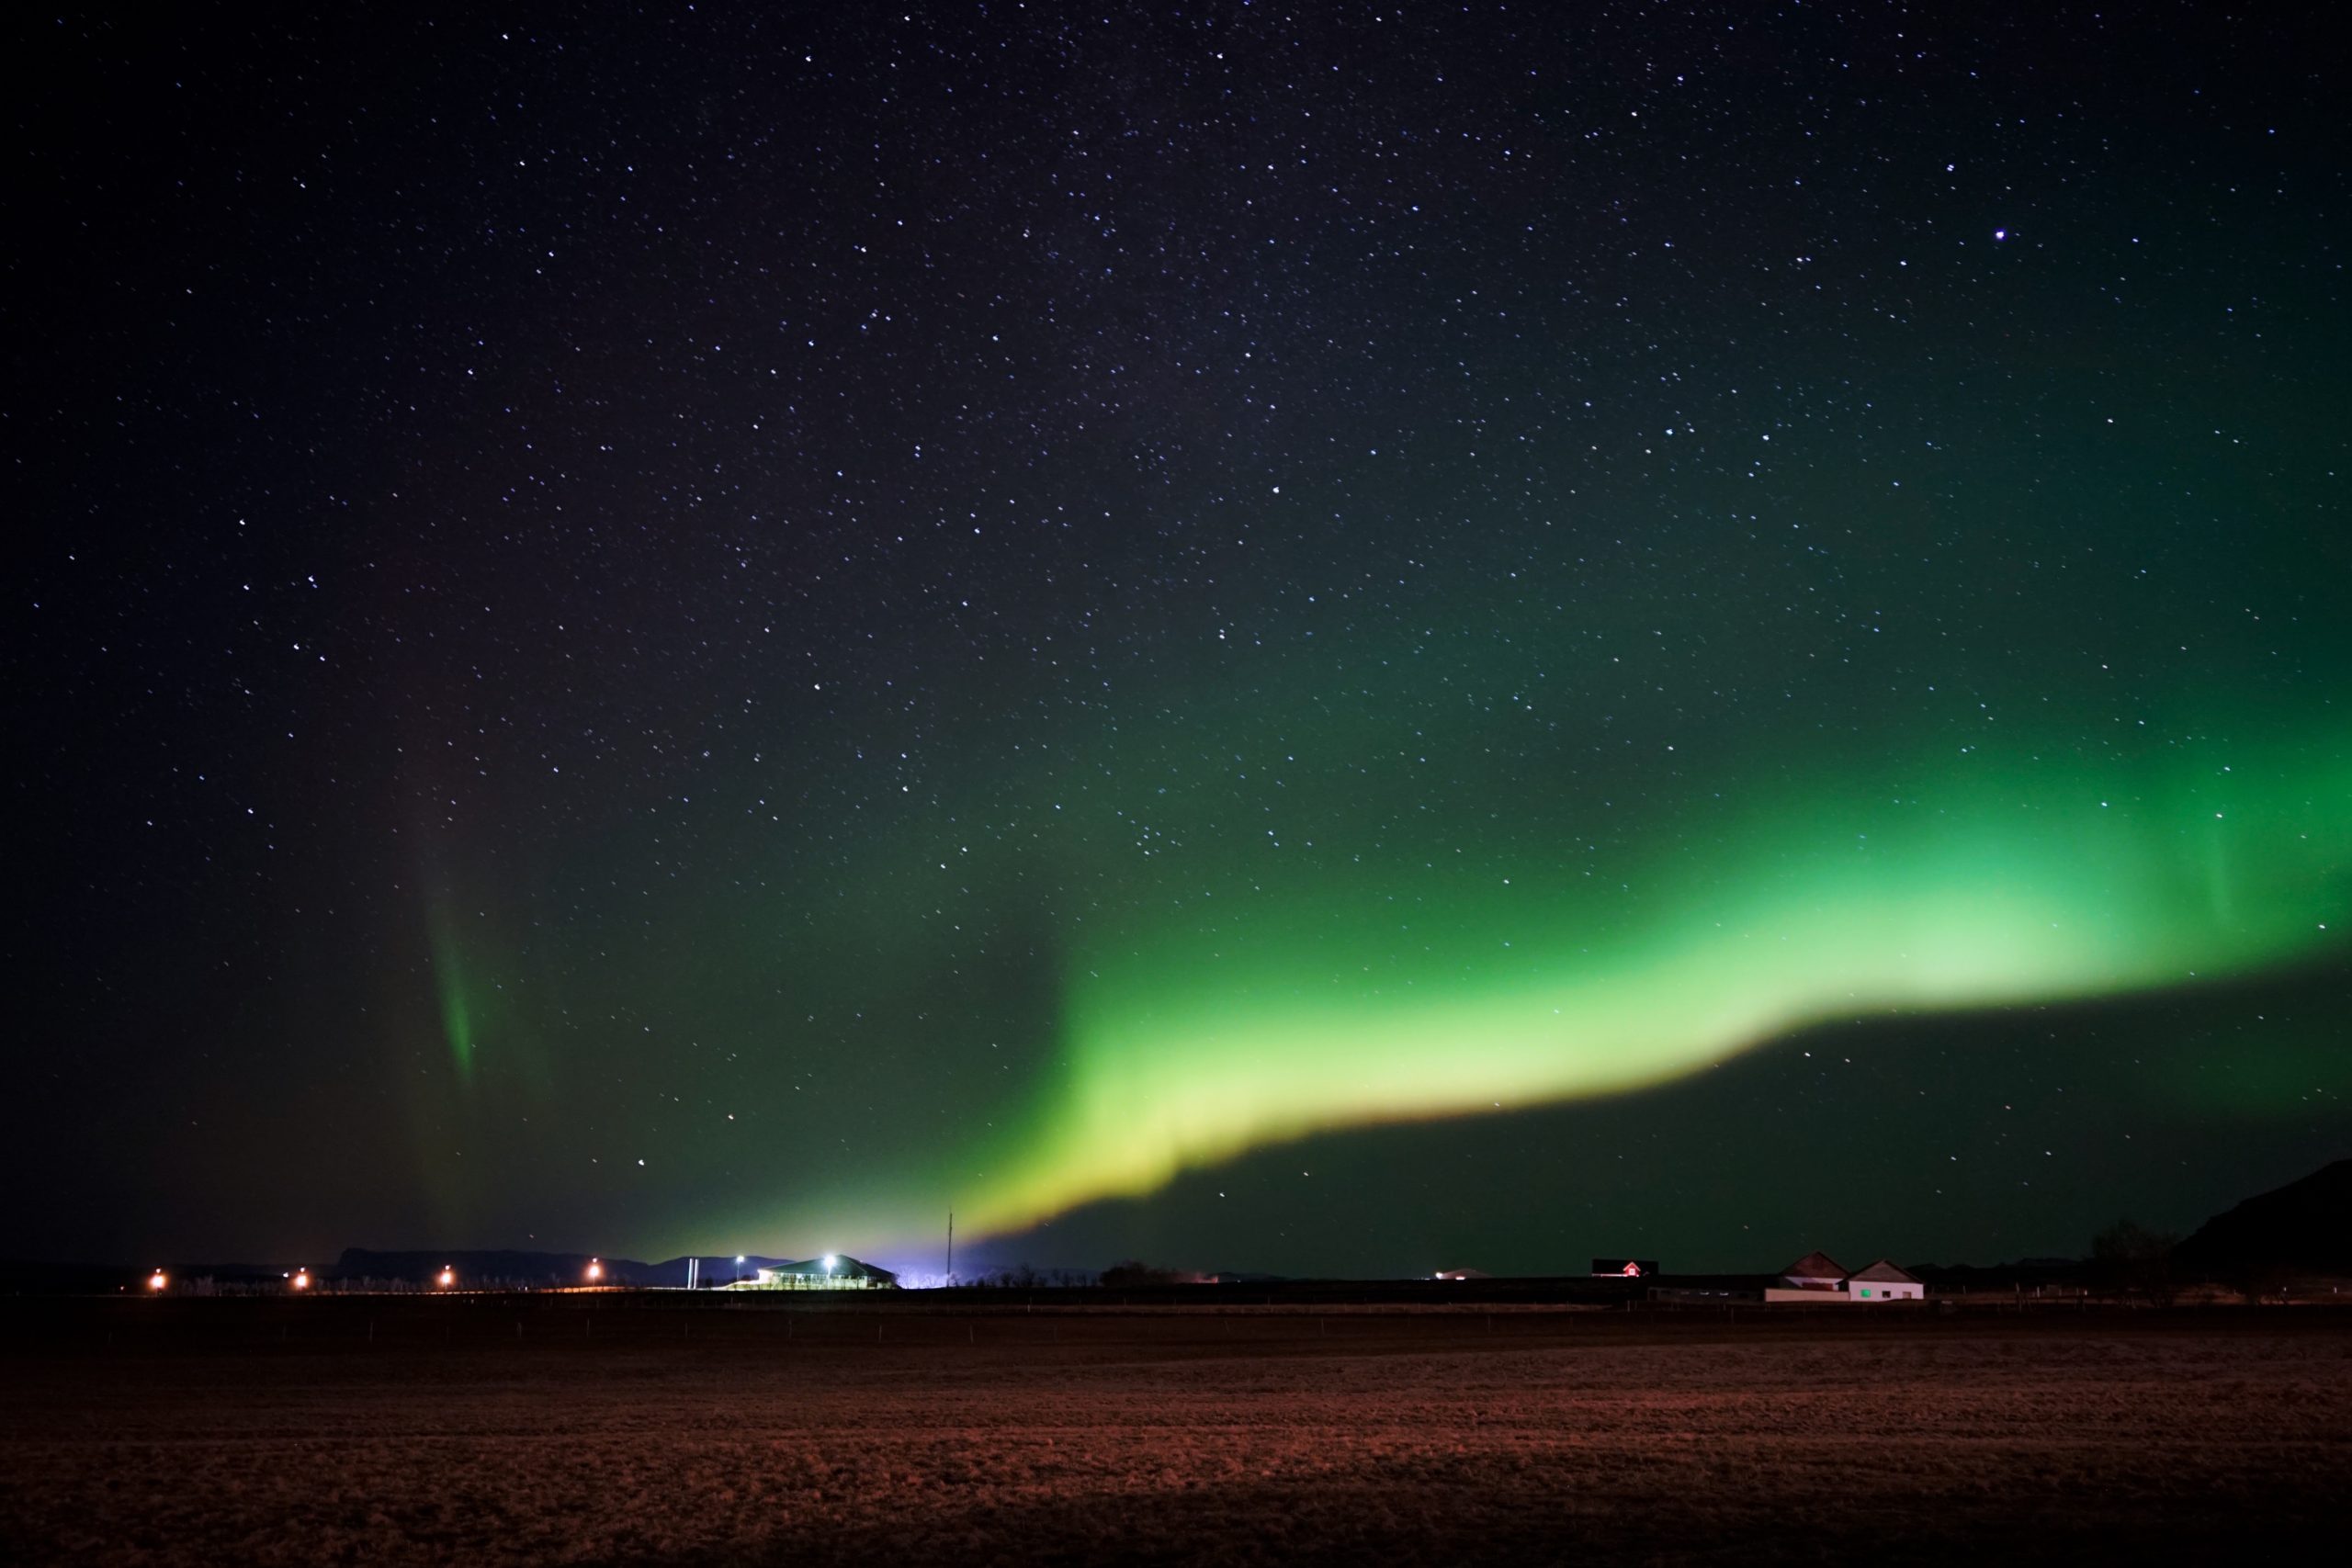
column 1195, row 1041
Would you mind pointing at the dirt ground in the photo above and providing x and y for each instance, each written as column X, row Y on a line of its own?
column 496, row 1430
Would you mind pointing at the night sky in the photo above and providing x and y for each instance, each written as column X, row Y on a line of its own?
column 1302, row 638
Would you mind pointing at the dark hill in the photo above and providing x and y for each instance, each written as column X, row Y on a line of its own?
column 2301, row 1225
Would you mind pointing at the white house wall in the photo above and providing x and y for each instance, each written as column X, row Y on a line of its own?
column 1886, row 1290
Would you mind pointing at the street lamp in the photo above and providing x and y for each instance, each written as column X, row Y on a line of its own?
column 301, row 1278
column 595, row 1270
column 446, row 1278
column 156, row 1281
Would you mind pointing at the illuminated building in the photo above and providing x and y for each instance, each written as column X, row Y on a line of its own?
column 835, row 1272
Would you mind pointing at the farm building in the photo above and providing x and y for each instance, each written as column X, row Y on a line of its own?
column 1883, row 1282
column 1814, row 1275
column 1818, row 1278
column 835, row 1272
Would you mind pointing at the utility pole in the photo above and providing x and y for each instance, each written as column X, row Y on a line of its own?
column 951, row 1246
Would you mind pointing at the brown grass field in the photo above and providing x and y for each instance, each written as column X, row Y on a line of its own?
column 636, row 1430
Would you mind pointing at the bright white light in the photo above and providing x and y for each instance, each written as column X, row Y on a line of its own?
column 595, row 1270
column 157, row 1281
column 828, row 1262
column 448, row 1276
column 301, row 1278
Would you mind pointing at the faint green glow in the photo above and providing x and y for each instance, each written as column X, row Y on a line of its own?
column 457, row 1011
column 1309, row 1007
column 2267, row 1067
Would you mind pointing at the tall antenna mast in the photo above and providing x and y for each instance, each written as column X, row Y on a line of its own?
column 951, row 1246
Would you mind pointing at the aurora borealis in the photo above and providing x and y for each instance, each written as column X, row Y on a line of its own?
column 1269, row 639
column 1301, row 1015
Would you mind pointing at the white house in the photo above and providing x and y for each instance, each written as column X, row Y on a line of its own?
column 1883, row 1282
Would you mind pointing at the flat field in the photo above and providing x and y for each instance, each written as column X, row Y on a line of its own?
column 650, row 1431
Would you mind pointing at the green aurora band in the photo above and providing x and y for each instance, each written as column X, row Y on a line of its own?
column 457, row 1006
column 1170, row 1000
column 1189, row 1043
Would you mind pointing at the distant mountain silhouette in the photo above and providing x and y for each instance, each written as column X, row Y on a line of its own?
column 2300, row 1226
column 507, row 1268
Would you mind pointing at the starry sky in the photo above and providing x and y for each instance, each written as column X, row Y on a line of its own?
column 1319, row 639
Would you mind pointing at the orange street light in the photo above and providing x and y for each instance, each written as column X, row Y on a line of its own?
column 301, row 1278
column 156, row 1281
column 446, row 1278
column 595, row 1270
